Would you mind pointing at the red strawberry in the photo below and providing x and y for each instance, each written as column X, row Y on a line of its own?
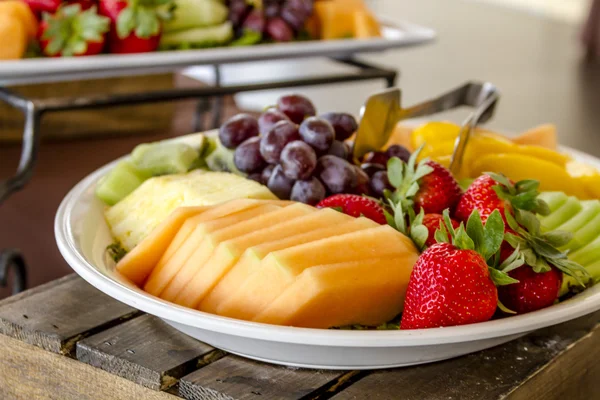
column 432, row 222
column 492, row 192
column 135, row 25
column 438, row 190
column 425, row 185
column 540, row 279
column 448, row 286
column 534, row 290
column 85, row 4
column 41, row 6
column 355, row 206
column 72, row 32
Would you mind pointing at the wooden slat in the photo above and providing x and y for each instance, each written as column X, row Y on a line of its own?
column 489, row 374
column 59, row 315
column 235, row 378
column 27, row 372
column 144, row 350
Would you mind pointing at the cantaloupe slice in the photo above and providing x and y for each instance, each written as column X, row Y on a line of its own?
column 212, row 238
column 140, row 261
column 365, row 25
column 165, row 272
column 368, row 292
column 228, row 252
column 280, row 268
column 250, row 261
column 227, row 208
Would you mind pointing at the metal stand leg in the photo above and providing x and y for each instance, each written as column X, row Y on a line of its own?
column 13, row 258
column 218, row 101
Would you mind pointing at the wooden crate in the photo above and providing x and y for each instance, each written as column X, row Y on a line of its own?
column 122, row 120
column 66, row 340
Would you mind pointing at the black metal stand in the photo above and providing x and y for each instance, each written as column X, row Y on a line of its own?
column 34, row 109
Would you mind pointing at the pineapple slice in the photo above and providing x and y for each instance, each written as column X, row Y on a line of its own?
column 134, row 217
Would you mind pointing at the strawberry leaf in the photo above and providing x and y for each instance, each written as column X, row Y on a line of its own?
column 541, row 208
column 571, row 268
column 389, row 219
column 462, row 240
column 527, row 185
column 512, row 223
column 147, row 23
column 501, row 278
column 475, row 231
column 503, row 181
column 558, row 238
column 419, row 234
column 541, row 266
column 448, row 222
column 126, row 22
column 399, row 219
column 514, row 261
column 441, row 235
column 395, row 168
column 493, row 234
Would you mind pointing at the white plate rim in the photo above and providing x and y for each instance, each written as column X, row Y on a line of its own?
column 581, row 304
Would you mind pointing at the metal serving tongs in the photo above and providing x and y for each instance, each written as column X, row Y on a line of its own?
column 382, row 111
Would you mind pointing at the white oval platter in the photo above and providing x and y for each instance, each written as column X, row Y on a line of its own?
column 82, row 236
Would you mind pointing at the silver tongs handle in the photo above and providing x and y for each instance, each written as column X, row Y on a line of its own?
column 383, row 111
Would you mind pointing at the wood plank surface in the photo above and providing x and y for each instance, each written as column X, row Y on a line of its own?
column 235, row 378
column 59, row 315
column 27, row 372
column 489, row 374
column 146, row 351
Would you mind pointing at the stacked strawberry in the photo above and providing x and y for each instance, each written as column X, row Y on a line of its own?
column 80, row 28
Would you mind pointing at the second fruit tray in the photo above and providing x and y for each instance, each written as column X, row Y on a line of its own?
column 395, row 35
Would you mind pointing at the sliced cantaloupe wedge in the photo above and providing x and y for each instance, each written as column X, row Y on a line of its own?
column 280, row 268
column 165, row 272
column 228, row 252
column 222, row 210
column 139, row 262
column 250, row 261
column 365, row 25
column 368, row 292
column 212, row 238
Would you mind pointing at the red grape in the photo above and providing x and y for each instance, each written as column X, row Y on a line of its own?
column 255, row 21
column 296, row 107
column 238, row 129
column 273, row 142
column 269, row 118
column 238, row 10
column 295, row 13
column 247, row 156
column 371, row 169
column 338, row 176
column 344, row 124
column 279, row 184
column 339, row 149
column 376, row 157
column 310, row 191
column 380, row 182
column 279, row 30
column 396, row 150
column 318, row 133
column 266, row 173
column 362, row 182
column 298, row 160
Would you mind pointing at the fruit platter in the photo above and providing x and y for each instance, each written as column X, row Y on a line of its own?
column 77, row 36
column 271, row 238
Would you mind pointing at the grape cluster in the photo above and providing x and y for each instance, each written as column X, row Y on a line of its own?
column 304, row 157
column 279, row 20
